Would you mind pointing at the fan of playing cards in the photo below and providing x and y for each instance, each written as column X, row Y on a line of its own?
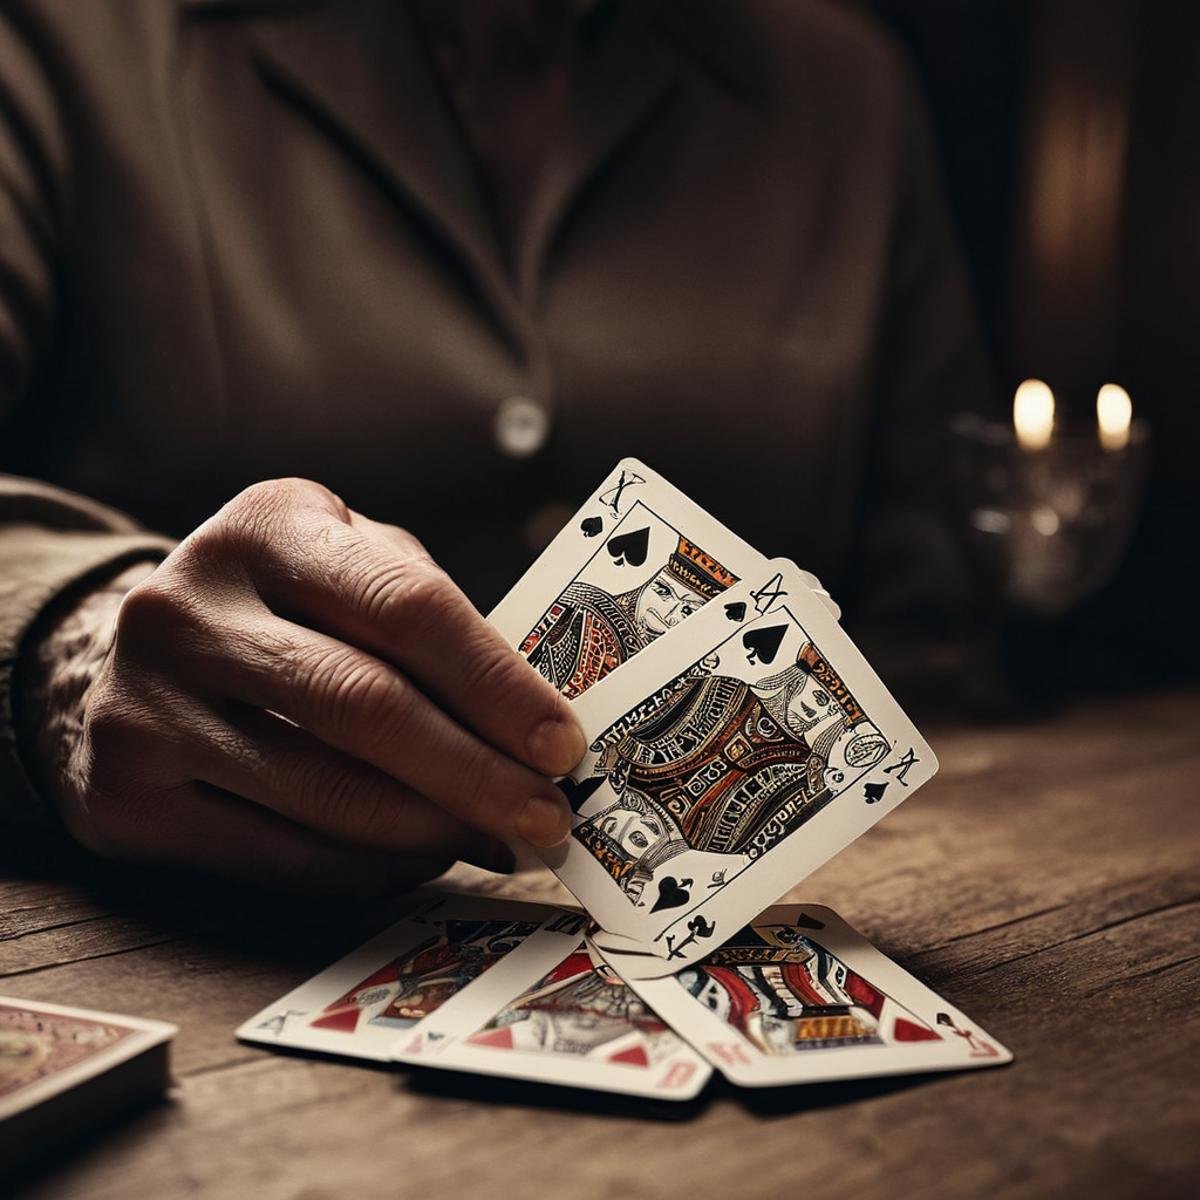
column 735, row 746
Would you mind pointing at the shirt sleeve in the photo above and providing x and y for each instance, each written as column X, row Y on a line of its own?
column 51, row 541
column 52, row 545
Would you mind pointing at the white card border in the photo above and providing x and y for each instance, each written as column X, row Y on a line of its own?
column 527, row 601
column 703, row 1028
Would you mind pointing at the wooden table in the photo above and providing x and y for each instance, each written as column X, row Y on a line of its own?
column 1046, row 882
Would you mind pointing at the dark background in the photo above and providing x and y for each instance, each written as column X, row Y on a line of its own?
column 1070, row 138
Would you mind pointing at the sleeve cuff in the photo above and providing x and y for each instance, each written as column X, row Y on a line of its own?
column 37, row 567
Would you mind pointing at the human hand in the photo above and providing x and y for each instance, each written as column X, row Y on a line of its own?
column 299, row 694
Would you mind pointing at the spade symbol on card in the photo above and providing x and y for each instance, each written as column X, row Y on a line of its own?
column 672, row 893
column 590, row 526
column 630, row 547
column 873, row 792
column 698, row 927
column 804, row 921
column 763, row 644
column 577, row 793
column 736, row 611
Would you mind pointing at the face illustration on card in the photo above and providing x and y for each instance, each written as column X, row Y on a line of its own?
column 731, row 745
column 642, row 581
column 637, row 561
column 785, row 993
column 356, row 1006
column 729, row 763
column 584, row 1010
column 798, row 996
column 553, row 1013
column 634, row 563
column 411, row 986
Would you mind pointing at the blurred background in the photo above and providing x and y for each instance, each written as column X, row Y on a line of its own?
column 1070, row 138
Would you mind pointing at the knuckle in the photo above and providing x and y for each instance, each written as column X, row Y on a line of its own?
column 213, row 548
column 266, row 525
column 352, row 806
column 417, row 602
column 248, row 521
column 155, row 605
column 353, row 692
column 289, row 492
column 480, row 790
column 254, row 516
column 113, row 727
column 505, row 677
column 163, row 621
column 333, row 798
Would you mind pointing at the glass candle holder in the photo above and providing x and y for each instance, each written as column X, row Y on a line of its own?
column 1044, row 527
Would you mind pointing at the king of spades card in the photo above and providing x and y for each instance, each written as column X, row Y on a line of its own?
column 727, row 766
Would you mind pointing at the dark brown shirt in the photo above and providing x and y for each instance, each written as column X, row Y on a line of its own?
column 240, row 240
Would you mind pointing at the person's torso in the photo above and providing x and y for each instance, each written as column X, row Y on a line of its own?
column 275, row 267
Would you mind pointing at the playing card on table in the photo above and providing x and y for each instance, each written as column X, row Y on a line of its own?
column 634, row 562
column 363, row 1002
column 726, row 763
column 553, row 1013
column 798, row 996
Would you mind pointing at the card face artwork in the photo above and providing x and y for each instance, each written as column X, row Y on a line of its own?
column 359, row 1005
column 725, row 764
column 569, row 1021
column 798, row 996
column 47, row 1048
column 635, row 562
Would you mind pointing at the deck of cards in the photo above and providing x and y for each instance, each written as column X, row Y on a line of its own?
column 66, row 1070
column 738, row 739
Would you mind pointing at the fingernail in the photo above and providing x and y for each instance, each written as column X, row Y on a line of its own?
column 557, row 745
column 544, row 822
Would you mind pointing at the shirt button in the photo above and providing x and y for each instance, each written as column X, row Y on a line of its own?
column 520, row 427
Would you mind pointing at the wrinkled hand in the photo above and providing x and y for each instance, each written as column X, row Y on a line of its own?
column 301, row 694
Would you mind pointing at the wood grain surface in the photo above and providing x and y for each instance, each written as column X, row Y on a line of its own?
column 1047, row 882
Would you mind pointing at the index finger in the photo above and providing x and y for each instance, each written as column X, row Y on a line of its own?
column 375, row 587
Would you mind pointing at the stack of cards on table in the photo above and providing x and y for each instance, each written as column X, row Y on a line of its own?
column 64, row 1069
column 738, row 739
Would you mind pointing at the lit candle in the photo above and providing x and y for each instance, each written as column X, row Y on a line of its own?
column 1033, row 414
column 1114, row 412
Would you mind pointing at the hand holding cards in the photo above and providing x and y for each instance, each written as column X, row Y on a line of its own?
column 728, row 762
column 735, row 746
column 737, row 739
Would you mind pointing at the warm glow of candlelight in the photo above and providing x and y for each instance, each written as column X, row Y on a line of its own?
column 1114, row 413
column 1033, row 414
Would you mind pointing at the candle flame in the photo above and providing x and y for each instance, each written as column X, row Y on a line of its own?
column 1114, row 413
column 1033, row 414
